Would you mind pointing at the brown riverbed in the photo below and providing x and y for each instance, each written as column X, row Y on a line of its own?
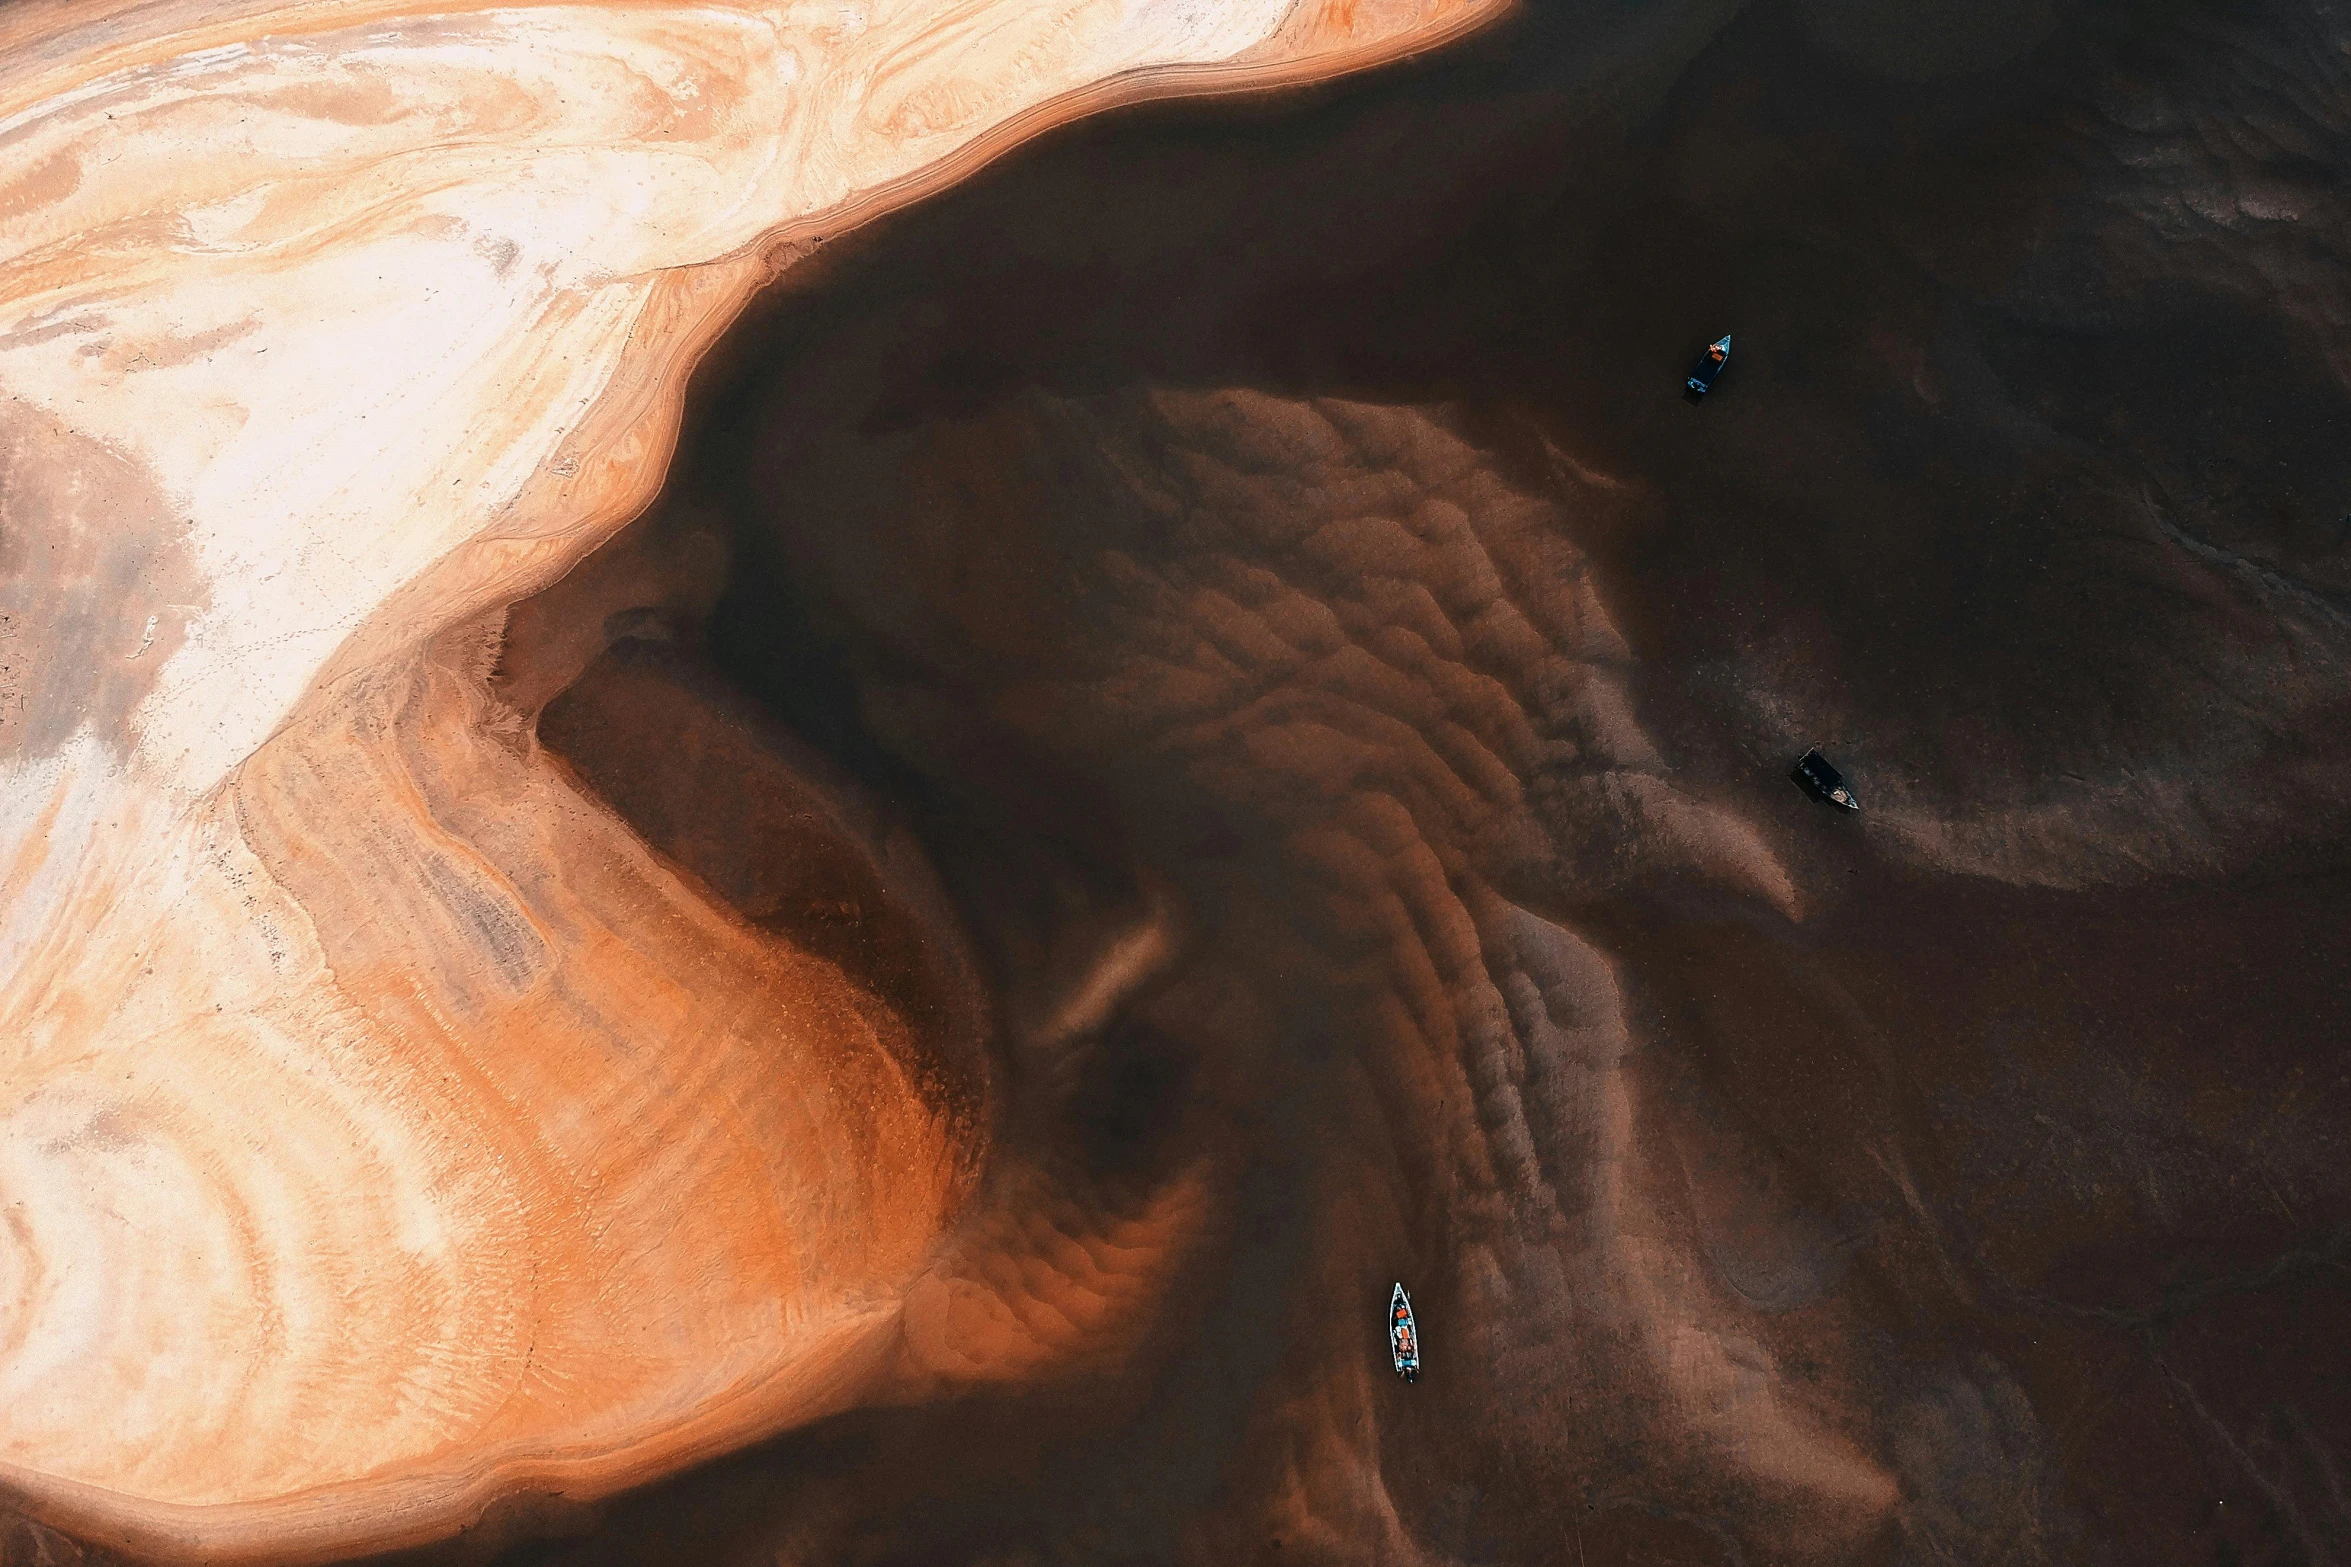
column 1284, row 512
column 1270, row 535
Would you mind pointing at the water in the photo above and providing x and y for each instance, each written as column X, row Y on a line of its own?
column 1771, row 1182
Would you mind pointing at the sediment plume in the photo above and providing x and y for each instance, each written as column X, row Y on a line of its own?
column 1190, row 727
column 389, row 1128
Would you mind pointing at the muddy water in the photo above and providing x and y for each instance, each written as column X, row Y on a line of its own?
column 1260, row 551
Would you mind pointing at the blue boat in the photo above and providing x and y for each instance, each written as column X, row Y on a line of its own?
column 1403, row 1336
column 1709, row 365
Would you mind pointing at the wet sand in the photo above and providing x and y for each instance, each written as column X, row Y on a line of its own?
column 388, row 1135
column 1260, row 552
column 1959, row 1182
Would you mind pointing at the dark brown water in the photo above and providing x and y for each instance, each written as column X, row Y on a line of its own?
column 1277, row 524
column 1282, row 516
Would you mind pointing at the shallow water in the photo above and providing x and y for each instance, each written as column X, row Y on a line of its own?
column 1259, row 552
column 1275, row 524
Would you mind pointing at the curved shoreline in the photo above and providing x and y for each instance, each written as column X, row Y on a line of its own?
column 619, row 453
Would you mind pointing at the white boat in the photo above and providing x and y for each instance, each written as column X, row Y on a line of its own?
column 1403, row 1336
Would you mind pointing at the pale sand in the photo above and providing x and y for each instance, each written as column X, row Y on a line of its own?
column 384, row 1129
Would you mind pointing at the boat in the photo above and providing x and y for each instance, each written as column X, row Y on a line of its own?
column 1709, row 365
column 1403, row 1336
column 1816, row 776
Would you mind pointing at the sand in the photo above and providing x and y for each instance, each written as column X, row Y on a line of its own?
column 388, row 1130
column 1955, row 1181
column 1216, row 648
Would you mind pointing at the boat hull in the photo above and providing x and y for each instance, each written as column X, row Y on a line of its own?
column 1403, row 1335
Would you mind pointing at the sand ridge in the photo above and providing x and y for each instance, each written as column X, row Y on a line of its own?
column 387, row 1128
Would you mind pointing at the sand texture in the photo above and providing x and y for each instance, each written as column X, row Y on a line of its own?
column 699, row 876
column 385, row 1129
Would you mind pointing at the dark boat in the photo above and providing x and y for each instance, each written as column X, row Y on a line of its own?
column 1823, row 782
column 1403, row 1337
column 1709, row 365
